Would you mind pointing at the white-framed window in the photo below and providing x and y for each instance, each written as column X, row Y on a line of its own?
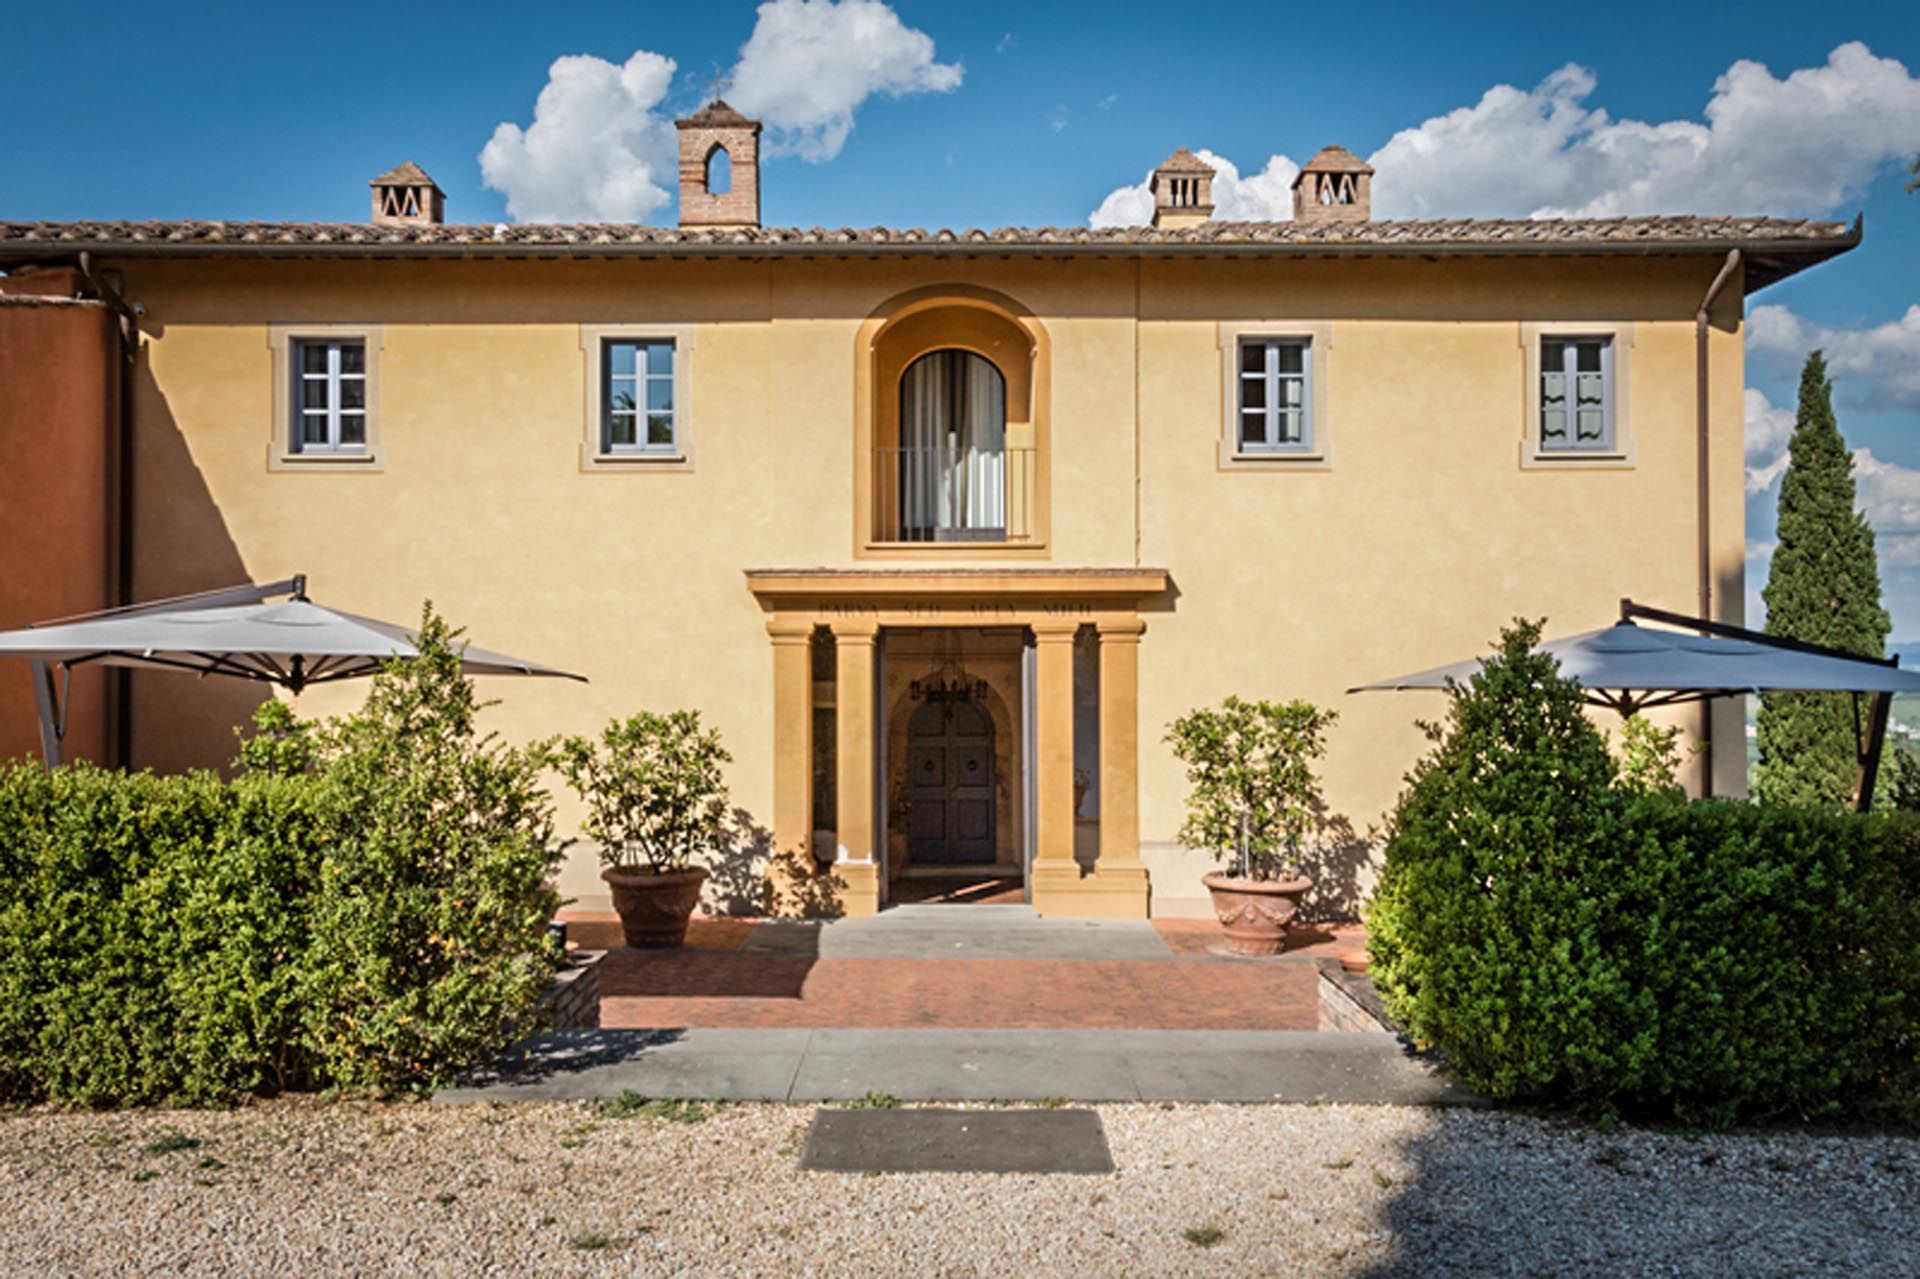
column 1578, row 401
column 329, row 412
column 1577, row 394
column 1274, row 395
column 637, row 396
column 326, row 397
column 1275, row 407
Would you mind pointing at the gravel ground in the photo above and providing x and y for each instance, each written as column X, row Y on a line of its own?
column 303, row 1187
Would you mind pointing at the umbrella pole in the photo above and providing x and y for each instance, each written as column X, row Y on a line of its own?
column 1870, row 757
column 46, row 697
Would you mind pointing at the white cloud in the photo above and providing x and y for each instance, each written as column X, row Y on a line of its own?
column 810, row 64
column 1759, row 562
column 1878, row 367
column 1803, row 144
column 599, row 148
column 1267, row 196
column 1888, row 493
column 1768, row 430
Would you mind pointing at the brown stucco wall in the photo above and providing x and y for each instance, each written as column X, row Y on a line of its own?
column 57, row 427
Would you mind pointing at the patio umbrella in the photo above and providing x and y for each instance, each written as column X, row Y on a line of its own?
column 238, row 633
column 1627, row 668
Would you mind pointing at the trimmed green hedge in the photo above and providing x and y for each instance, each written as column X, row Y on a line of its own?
column 365, row 906
column 1561, row 938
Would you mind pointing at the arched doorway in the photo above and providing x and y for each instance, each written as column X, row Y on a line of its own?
column 950, row 784
column 953, row 449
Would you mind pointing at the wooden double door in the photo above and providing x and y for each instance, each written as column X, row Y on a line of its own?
column 950, row 766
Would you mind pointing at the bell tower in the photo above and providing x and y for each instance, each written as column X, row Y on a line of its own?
column 719, row 169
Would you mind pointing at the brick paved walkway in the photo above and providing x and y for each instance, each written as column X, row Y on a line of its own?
column 713, row 982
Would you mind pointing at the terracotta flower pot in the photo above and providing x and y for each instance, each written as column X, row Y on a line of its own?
column 654, row 909
column 1256, row 912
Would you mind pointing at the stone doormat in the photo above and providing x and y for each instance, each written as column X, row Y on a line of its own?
column 914, row 1140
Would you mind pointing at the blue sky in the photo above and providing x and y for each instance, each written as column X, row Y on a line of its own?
column 988, row 114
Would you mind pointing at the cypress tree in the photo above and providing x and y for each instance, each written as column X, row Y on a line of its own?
column 1823, row 587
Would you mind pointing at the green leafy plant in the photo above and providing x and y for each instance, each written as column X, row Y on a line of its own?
column 1823, row 586
column 1253, row 795
column 628, row 1104
column 280, row 745
column 1488, row 930
column 1898, row 784
column 875, row 1099
column 363, row 905
column 170, row 1142
column 654, row 788
column 1565, row 937
column 429, row 918
column 1649, row 757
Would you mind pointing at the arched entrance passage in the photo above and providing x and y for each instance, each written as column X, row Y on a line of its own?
column 950, row 784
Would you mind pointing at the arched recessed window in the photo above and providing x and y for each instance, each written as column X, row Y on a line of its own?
column 952, row 469
column 719, row 171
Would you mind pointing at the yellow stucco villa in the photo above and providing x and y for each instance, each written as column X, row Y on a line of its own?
column 940, row 529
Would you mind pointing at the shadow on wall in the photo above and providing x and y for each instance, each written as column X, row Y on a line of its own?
column 749, row 878
column 179, row 721
column 1341, row 863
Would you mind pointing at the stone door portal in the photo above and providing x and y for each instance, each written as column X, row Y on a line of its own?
column 950, row 784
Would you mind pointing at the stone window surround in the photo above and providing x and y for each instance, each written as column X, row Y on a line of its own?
column 594, row 458
column 1318, row 455
column 281, row 453
column 1621, row 456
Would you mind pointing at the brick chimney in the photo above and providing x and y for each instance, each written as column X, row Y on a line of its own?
column 406, row 195
column 1182, row 191
column 1335, row 186
column 731, row 201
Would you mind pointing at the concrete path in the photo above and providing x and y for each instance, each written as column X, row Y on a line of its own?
column 959, row 932
column 965, row 1065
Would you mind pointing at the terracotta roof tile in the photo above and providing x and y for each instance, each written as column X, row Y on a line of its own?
column 1336, row 159
column 407, row 174
column 1184, row 161
column 717, row 112
column 1789, row 243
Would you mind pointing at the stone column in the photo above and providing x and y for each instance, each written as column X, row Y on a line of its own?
column 1055, row 875
column 1121, row 875
column 792, row 733
column 855, row 865
column 792, row 752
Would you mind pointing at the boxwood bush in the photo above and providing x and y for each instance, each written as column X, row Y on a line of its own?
column 363, row 905
column 1562, row 937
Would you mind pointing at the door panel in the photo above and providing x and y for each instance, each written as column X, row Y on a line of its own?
column 950, row 787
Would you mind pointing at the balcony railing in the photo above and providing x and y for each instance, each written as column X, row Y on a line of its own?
column 947, row 493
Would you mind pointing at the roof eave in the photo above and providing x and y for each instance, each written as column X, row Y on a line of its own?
column 1769, row 260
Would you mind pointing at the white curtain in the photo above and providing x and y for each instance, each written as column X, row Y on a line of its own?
column 953, row 436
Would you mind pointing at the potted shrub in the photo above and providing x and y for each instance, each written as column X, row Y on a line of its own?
column 657, row 803
column 1253, row 800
